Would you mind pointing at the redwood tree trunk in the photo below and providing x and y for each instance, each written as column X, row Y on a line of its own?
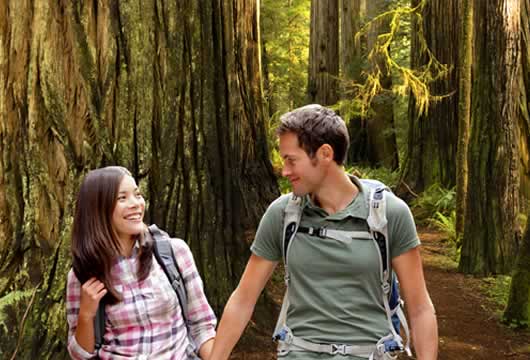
column 490, row 233
column 323, row 74
column 464, row 112
column 433, row 136
column 518, row 309
column 381, row 146
column 171, row 90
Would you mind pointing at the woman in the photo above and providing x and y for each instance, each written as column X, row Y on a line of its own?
column 113, row 262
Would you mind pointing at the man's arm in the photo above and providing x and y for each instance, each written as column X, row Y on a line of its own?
column 424, row 329
column 240, row 305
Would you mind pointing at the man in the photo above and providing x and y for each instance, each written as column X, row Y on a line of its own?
column 335, row 290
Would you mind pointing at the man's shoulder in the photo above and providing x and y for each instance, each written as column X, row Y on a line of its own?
column 279, row 204
column 395, row 205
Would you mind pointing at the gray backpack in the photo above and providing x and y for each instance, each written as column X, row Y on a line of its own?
column 390, row 345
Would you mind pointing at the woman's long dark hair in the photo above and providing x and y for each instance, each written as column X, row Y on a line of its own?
column 95, row 245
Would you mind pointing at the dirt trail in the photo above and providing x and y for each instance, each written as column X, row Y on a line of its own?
column 468, row 327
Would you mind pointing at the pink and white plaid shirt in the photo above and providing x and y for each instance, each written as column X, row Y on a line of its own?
column 148, row 322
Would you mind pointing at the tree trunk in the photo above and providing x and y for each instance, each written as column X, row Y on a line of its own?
column 381, row 149
column 524, row 142
column 518, row 309
column 323, row 53
column 433, row 136
column 351, row 67
column 170, row 90
column 490, row 233
column 350, row 52
column 464, row 111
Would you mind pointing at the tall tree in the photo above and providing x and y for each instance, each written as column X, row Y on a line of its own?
column 171, row 90
column 322, row 86
column 465, row 59
column 381, row 146
column 351, row 63
column 493, row 194
column 524, row 108
column 517, row 311
column 432, row 139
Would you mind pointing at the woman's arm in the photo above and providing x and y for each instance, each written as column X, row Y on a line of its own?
column 201, row 319
column 81, row 306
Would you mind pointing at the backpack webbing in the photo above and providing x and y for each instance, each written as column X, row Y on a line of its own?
column 377, row 224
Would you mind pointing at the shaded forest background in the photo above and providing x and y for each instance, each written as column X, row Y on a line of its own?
column 186, row 95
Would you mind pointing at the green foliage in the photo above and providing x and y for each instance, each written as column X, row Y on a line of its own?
column 386, row 176
column 447, row 225
column 285, row 35
column 384, row 62
column 436, row 199
column 497, row 289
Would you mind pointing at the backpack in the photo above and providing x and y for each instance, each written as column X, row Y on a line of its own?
column 166, row 259
column 390, row 345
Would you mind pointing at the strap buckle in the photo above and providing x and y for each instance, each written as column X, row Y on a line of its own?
column 386, row 287
column 338, row 349
column 322, row 232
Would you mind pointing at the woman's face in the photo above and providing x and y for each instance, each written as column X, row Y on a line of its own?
column 127, row 218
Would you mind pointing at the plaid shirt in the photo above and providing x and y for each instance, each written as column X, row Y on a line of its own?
column 148, row 322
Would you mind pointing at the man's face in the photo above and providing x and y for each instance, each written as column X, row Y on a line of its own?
column 304, row 173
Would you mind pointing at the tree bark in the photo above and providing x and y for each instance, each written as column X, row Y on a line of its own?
column 490, row 232
column 171, row 90
column 432, row 139
column 351, row 67
column 517, row 311
column 381, row 146
column 323, row 74
column 464, row 111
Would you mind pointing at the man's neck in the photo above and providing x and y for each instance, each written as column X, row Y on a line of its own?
column 336, row 193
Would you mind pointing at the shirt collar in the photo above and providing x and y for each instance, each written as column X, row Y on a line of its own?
column 357, row 208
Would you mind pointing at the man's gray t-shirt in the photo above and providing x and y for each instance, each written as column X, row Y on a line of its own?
column 334, row 291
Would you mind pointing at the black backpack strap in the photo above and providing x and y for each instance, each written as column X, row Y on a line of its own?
column 166, row 259
column 99, row 327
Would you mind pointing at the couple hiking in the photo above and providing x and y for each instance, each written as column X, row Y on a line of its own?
column 341, row 239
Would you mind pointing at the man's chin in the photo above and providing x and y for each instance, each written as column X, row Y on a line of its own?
column 299, row 193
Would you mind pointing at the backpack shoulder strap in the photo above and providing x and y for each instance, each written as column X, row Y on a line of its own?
column 166, row 259
column 99, row 326
column 291, row 222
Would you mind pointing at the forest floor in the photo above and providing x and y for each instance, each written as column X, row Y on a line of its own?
column 468, row 322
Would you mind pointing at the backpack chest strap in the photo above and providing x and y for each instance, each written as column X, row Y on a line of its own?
column 339, row 235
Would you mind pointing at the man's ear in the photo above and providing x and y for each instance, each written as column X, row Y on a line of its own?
column 325, row 152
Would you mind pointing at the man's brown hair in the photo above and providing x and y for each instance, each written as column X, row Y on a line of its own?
column 314, row 126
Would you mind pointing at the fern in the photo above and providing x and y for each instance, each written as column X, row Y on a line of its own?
column 436, row 199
